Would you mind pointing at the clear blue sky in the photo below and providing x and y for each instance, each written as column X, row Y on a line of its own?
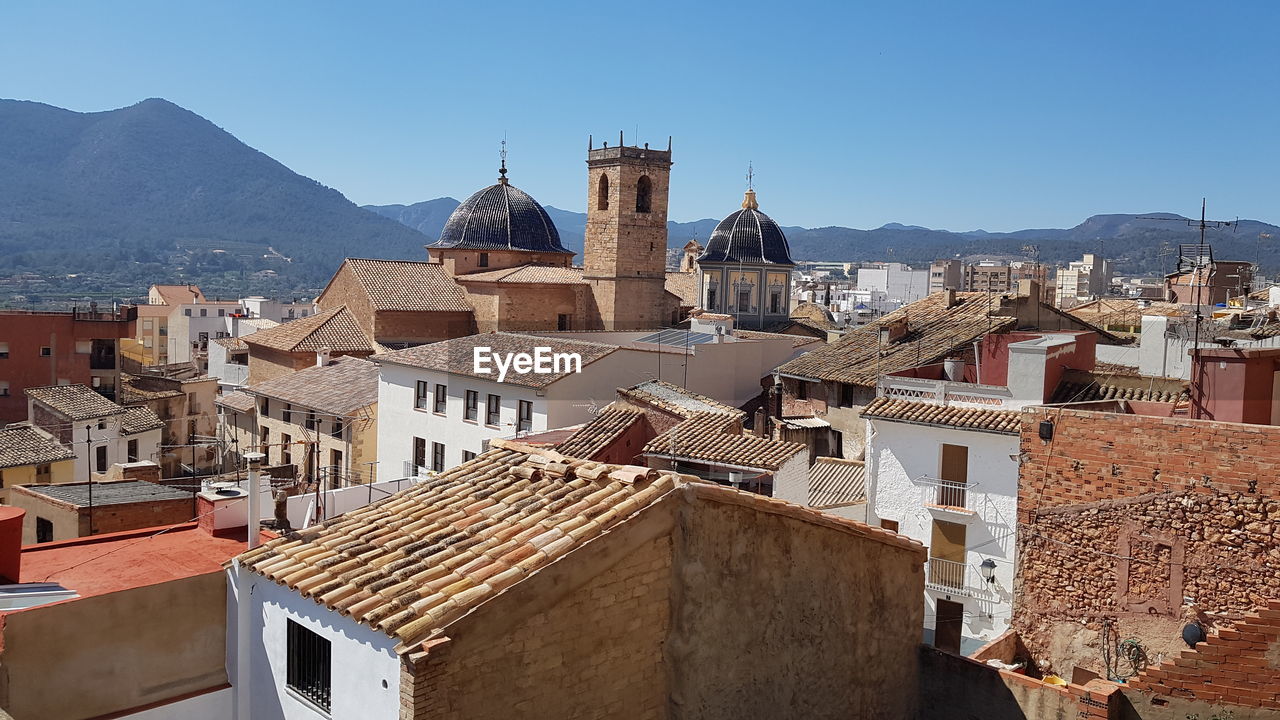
column 996, row 115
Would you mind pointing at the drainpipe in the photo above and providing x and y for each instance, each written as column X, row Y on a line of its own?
column 977, row 363
column 243, row 687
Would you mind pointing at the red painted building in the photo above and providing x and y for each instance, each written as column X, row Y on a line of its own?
column 1236, row 385
column 52, row 348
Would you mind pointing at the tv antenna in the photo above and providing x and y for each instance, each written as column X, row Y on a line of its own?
column 1196, row 259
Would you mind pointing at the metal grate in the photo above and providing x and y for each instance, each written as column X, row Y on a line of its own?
column 679, row 338
column 309, row 670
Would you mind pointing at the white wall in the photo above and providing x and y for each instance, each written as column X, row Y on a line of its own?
column 899, row 454
column 117, row 445
column 230, row 375
column 365, row 668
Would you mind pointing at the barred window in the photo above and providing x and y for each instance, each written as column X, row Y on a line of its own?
column 309, row 671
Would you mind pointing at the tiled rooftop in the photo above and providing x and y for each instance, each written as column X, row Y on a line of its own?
column 600, row 432
column 674, row 399
column 716, row 438
column 413, row 563
column 334, row 329
column 933, row 332
column 77, row 402
column 1085, row 386
column 533, row 274
column 237, row 400
column 232, row 344
column 139, row 419
column 457, row 356
column 835, row 482
column 963, row 418
column 410, row 286
column 22, row 444
column 343, row 386
column 796, row 340
column 683, row 285
column 134, row 389
column 122, row 492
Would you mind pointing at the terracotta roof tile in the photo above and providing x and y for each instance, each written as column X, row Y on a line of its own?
column 343, row 386
column 933, row 331
column 674, row 399
column 407, row 285
column 717, row 438
column 139, row 419
column 457, row 356
column 77, row 402
column 233, row 344
column 334, row 329
column 237, row 400
column 600, row 432
column 963, row 418
column 23, row 444
column 1085, row 386
column 835, row 482
column 796, row 340
column 528, row 274
column 413, row 563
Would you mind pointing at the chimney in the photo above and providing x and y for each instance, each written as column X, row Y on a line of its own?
column 322, row 356
column 953, row 367
column 11, row 542
column 950, row 297
column 255, row 495
column 758, row 424
column 223, row 508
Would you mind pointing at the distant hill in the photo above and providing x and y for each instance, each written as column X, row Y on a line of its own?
column 150, row 191
column 1133, row 240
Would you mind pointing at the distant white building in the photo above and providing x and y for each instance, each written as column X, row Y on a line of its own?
column 1083, row 280
column 897, row 281
column 256, row 306
column 228, row 355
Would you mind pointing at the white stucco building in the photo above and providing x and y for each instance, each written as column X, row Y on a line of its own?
column 942, row 467
column 100, row 432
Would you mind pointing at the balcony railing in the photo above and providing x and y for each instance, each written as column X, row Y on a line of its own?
column 944, row 392
column 948, row 493
column 947, row 575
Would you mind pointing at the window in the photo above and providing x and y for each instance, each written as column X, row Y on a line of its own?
column 222, row 312
column 335, row 459
column 146, row 341
column 420, row 395
column 264, row 439
column 775, row 302
column 287, row 413
column 147, row 324
column 44, row 530
column 193, row 407
column 187, row 312
column 891, row 525
column 644, row 193
column 286, row 449
column 44, row 474
column 468, row 456
column 336, row 430
column 265, row 407
column 419, row 452
column 84, row 347
column 4, row 388
column 602, row 193
column 525, row 416
column 100, row 458
column 133, row 451
column 802, row 390
column 308, row 668
column 472, row 405
column 441, row 398
column 291, row 311
column 311, row 420
column 711, row 299
column 484, row 260
column 102, row 424
column 46, row 352
column 846, row 395
column 4, row 351
column 744, row 300
column 564, row 322
column 493, row 410
column 437, row 456
column 204, row 312
column 304, row 312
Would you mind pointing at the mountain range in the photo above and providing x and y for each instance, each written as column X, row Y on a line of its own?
column 102, row 204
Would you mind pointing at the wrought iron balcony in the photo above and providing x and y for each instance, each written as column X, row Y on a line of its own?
column 949, row 494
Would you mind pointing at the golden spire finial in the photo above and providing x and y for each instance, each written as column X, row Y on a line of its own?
column 502, row 172
column 749, row 200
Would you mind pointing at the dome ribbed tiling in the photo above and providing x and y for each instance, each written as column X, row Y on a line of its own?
column 501, row 217
column 747, row 236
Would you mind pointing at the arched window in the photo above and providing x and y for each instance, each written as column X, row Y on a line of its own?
column 602, row 194
column 644, row 194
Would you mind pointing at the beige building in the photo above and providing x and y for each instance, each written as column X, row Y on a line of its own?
column 151, row 344
column 322, row 420
column 186, row 406
column 31, row 456
column 532, row 583
column 295, row 345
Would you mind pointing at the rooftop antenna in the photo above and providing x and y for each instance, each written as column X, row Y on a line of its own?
column 502, row 153
column 1197, row 259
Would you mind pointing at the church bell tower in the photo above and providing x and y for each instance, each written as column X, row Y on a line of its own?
column 625, row 253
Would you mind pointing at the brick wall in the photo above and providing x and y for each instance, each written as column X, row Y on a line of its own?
column 344, row 289
column 1123, row 516
column 393, row 327
column 1237, row 667
column 597, row 653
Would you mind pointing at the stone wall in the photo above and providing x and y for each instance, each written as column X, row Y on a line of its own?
column 1121, row 517
column 421, row 327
